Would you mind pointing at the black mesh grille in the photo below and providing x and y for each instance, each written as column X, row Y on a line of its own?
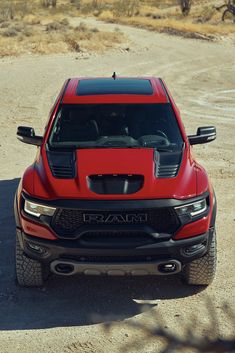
column 164, row 220
column 67, row 222
column 117, row 238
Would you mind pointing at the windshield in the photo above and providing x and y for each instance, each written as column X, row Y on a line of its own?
column 117, row 126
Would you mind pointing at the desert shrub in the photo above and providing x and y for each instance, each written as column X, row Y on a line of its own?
column 163, row 3
column 4, row 24
column 96, row 13
column 64, row 22
column 81, row 28
column 77, row 3
column 54, row 26
column 107, row 15
column 62, row 25
column 86, row 8
column 94, row 30
column 31, row 19
column 127, row 8
column 22, row 8
column 18, row 26
column 207, row 13
column 10, row 32
column 20, row 38
column 27, row 32
column 97, row 4
column 48, row 3
column 93, row 6
column 7, row 10
column 73, row 45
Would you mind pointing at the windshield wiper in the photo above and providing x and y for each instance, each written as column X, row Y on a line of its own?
column 165, row 149
column 162, row 149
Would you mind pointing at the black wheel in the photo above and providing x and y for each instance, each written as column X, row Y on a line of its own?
column 29, row 272
column 202, row 271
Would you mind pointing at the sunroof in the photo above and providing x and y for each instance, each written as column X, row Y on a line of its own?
column 110, row 86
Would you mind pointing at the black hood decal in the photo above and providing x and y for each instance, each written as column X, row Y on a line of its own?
column 167, row 163
column 62, row 164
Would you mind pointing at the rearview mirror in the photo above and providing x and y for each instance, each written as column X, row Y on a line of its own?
column 27, row 135
column 205, row 134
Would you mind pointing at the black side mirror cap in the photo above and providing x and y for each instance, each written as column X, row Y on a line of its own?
column 205, row 134
column 27, row 135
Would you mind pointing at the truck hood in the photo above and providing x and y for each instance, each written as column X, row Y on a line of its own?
column 115, row 174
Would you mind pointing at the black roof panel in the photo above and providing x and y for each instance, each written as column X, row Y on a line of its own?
column 100, row 86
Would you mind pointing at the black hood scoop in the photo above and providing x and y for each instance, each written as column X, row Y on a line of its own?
column 62, row 164
column 167, row 164
column 112, row 184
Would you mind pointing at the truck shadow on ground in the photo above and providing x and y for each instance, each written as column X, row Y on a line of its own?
column 71, row 301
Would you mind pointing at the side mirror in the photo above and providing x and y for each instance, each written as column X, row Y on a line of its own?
column 27, row 135
column 204, row 135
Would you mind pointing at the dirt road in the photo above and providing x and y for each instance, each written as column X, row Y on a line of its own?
column 67, row 314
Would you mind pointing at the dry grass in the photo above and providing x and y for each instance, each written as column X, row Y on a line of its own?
column 55, row 39
column 172, row 26
column 28, row 28
column 165, row 16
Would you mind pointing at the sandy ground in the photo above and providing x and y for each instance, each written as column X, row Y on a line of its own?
column 67, row 315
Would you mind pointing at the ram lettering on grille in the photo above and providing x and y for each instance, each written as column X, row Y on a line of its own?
column 115, row 218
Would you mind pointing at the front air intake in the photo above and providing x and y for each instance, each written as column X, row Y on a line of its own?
column 121, row 184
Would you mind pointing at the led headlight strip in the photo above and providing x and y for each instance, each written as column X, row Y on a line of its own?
column 37, row 210
column 192, row 209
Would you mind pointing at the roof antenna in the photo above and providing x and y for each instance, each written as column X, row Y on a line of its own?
column 114, row 76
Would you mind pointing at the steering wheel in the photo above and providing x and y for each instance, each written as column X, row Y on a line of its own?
column 161, row 133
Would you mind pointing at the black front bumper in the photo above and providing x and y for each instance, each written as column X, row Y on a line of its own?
column 184, row 250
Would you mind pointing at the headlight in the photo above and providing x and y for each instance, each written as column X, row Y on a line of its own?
column 38, row 210
column 192, row 209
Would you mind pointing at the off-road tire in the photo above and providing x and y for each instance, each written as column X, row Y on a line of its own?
column 29, row 272
column 202, row 271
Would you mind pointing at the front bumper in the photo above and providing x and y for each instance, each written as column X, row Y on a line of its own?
column 69, row 268
column 184, row 250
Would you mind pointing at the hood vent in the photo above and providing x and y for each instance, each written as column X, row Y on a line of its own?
column 112, row 184
column 167, row 164
column 62, row 164
column 167, row 171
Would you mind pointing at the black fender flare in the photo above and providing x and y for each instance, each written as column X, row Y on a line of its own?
column 16, row 212
column 214, row 211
